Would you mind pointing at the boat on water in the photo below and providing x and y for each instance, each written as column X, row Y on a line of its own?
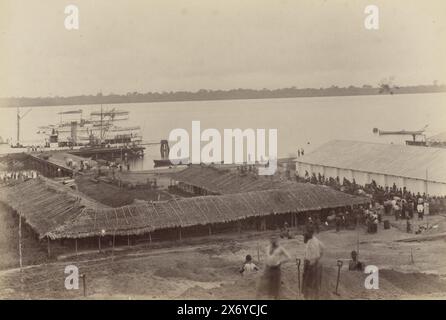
column 420, row 134
column 99, row 132
column 158, row 163
column 165, row 161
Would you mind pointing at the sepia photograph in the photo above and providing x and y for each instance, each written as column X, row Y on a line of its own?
column 250, row 150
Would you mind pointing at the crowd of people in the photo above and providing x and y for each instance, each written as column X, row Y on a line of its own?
column 385, row 201
column 21, row 175
column 398, row 201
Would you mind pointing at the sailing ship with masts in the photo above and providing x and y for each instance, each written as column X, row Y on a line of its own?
column 100, row 130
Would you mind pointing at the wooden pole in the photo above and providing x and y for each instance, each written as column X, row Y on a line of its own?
column 99, row 243
column 113, row 246
column 49, row 246
column 258, row 252
column 84, row 284
column 210, row 230
column 150, row 238
column 424, row 204
column 20, row 242
column 128, row 240
column 179, row 233
column 75, row 245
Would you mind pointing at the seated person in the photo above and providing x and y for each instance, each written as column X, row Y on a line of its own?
column 355, row 264
column 248, row 267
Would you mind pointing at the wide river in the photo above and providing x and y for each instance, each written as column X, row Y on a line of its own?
column 301, row 122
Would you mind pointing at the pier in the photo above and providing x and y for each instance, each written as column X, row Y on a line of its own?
column 109, row 153
column 54, row 164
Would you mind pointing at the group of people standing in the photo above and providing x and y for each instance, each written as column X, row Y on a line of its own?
column 405, row 209
column 18, row 175
column 276, row 255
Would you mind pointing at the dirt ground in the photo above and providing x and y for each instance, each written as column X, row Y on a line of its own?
column 207, row 268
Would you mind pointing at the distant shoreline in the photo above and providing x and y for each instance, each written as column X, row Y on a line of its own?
column 215, row 95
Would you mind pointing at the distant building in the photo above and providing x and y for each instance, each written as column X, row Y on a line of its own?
column 419, row 169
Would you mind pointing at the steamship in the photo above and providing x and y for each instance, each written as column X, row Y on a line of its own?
column 98, row 131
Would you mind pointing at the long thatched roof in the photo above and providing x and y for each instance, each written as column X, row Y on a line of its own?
column 56, row 212
column 44, row 204
column 227, row 181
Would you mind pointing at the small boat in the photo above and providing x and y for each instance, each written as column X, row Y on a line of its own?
column 167, row 163
column 413, row 133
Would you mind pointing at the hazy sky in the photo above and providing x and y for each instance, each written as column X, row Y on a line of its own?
column 164, row 45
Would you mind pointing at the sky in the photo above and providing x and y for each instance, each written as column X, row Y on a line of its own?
column 169, row 45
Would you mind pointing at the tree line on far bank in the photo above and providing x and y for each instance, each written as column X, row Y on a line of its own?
column 203, row 94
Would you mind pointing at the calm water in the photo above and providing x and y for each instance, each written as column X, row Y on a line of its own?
column 301, row 122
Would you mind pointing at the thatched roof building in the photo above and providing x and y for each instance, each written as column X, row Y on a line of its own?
column 203, row 179
column 57, row 212
column 45, row 204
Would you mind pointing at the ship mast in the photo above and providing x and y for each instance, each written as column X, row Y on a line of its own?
column 102, row 129
column 20, row 117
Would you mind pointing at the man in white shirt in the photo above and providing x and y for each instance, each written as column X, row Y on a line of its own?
column 312, row 276
column 314, row 249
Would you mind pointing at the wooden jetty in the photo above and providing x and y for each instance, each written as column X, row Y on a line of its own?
column 109, row 153
column 54, row 164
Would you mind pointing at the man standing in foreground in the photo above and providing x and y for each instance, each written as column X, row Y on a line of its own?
column 312, row 276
